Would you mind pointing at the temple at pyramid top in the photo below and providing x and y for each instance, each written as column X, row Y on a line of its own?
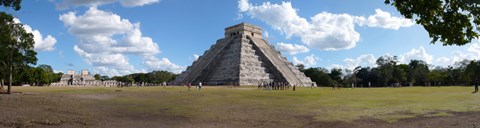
column 242, row 57
column 243, row 28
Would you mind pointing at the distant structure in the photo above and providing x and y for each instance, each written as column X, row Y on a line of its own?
column 242, row 57
column 82, row 79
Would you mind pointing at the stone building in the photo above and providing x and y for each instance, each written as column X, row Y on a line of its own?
column 84, row 78
column 242, row 57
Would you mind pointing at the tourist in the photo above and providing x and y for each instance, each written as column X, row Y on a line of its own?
column 294, row 87
column 189, row 85
column 311, row 87
column 475, row 84
column 199, row 86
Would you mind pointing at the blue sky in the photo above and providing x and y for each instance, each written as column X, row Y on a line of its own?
column 118, row 37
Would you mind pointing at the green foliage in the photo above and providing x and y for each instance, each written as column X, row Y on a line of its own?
column 450, row 21
column 97, row 76
column 16, row 46
column 104, row 78
column 300, row 67
column 388, row 73
column 37, row 76
column 320, row 76
column 386, row 67
column 336, row 75
column 15, row 4
column 418, row 71
column 151, row 77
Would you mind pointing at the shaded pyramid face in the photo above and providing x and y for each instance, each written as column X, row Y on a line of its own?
column 244, row 58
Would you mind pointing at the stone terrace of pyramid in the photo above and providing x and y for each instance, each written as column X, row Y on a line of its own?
column 242, row 57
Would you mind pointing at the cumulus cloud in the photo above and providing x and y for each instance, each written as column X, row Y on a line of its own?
column 336, row 66
column 64, row 4
column 443, row 61
column 266, row 35
column 41, row 44
column 163, row 64
column 292, row 49
column 474, row 48
column 416, row 54
column 308, row 61
column 385, row 20
column 105, row 38
column 195, row 56
column 472, row 53
column 324, row 31
column 363, row 60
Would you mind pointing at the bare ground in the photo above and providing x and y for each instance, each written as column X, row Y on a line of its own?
column 89, row 110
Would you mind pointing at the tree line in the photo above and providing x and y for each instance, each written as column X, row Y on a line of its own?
column 42, row 75
column 154, row 77
column 390, row 73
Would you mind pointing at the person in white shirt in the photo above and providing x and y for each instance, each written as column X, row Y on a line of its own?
column 199, row 86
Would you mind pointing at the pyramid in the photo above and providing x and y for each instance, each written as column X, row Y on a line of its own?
column 245, row 58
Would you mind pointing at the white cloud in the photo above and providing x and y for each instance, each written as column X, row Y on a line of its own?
column 385, row 20
column 443, row 61
column 308, row 61
column 297, row 61
column 324, row 31
column 41, row 44
column 195, row 56
column 474, row 48
column 134, row 3
column 105, row 38
column 57, row 71
column 363, row 60
column 336, row 66
column 163, row 64
column 292, row 49
column 243, row 5
column 64, row 4
column 416, row 54
column 60, row 53
column 107, row 61
column 473, row 53
column 266, row 35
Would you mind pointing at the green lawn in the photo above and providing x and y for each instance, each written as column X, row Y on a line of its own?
column 248, row 103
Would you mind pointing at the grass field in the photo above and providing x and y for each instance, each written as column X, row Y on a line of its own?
column 247, row 105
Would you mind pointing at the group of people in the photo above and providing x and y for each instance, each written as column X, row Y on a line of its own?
column 199, row 87
column 233, row 85
column 274, row 86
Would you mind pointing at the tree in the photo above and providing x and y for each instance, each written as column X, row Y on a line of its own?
column 336, row 75
column 472, row 70
column 399, row 73
column 351, row 76
column 364, row 75
column 319, row 76
column 386, row 66
column 16, row 46
column 451, row 21
column 437, row 76
column 300, row 67
column 15, row 4
column 103, row 78
column 418, row 71
column 50, row 76
column 97, row 76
